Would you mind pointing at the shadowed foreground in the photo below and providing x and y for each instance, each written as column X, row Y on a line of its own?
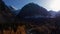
column 14, row 28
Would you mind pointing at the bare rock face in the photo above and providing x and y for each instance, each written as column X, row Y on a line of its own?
column 5, row 14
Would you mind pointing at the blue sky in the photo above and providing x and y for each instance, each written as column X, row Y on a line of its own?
column 18, row 4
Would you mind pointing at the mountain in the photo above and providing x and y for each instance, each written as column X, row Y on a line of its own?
column 14, row 11
column 11, row 8
column 52, row 13
column 5, row 13
column 32, row 13
column 32, row 9
column 58, row 14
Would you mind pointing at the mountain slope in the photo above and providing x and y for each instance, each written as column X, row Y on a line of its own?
column 5, row 13
column 32, row 9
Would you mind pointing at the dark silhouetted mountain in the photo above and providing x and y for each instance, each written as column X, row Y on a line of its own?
column 58, row 14
column 52, row 13
column 14, row 11
column 57, row 18
column 33, row 13
column 5, row 13
column 11, row 8
column 32, row 9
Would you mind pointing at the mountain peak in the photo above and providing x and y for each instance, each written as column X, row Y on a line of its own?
column 32, row 9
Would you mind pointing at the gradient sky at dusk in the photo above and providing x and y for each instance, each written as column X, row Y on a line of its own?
column 18, row 4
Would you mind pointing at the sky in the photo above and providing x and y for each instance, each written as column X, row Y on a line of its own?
column 18, row 4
